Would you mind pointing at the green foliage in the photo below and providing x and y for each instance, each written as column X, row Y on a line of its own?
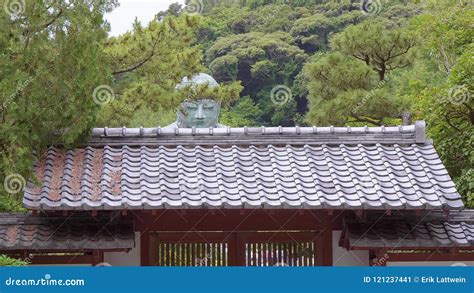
column 268, row 18
column 312, row 33
column 52, row 59
column 225, row 94
column 379, row 46
column 446, row 31
column 244, row 113
column 261, row 62
column 447, row 103
column 148, row 63
column 158, row 53
column 397, row 14
column 218, row 24
column 351, row 83
column 342, row 67
column 11, row 262
column 335, row 83
column 10, row 203
column 264, row 44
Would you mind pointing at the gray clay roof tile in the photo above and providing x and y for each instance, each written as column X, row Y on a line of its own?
column 357, row 168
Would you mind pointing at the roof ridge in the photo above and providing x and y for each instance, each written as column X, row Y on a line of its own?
column 419, row 126
column 334, row 135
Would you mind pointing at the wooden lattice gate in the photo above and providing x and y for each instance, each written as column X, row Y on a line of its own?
column 230, row 249
column 190, row 249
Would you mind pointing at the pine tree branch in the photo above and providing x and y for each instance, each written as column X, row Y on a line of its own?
column 139, row 64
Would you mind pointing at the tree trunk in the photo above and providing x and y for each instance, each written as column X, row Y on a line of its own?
column 381, row 72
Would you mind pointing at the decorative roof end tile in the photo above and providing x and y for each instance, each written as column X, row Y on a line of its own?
column 420, row 131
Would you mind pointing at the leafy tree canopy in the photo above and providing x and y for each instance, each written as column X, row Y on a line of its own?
column 147, row 63
column 445, row 100
column 350, row 84
column 51, row 61
column 278, row 62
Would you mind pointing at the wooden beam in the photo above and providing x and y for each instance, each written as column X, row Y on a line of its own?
column 280, row 237
column 231, row 220
column 360, row 214
column 189, row 237
column 65, row 259
column 250, row 237
column 61, row 256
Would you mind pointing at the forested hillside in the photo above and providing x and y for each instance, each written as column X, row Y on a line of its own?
column 279, row 62
column 315, row 63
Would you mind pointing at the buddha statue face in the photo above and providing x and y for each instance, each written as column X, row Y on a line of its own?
column 200, row 114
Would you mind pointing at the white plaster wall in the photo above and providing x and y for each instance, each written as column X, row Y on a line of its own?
column 131, row 258
column 342, row 257
column 430, row 263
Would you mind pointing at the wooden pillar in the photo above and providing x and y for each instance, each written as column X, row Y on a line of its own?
column 372, row 257
column 323, row 244
column 232, row 250
column 377, row 258
column 236, row 249
column 327, row 246
column 98, row 257
column 145, row 249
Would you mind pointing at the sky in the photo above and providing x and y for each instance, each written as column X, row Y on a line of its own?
column 122, row 17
